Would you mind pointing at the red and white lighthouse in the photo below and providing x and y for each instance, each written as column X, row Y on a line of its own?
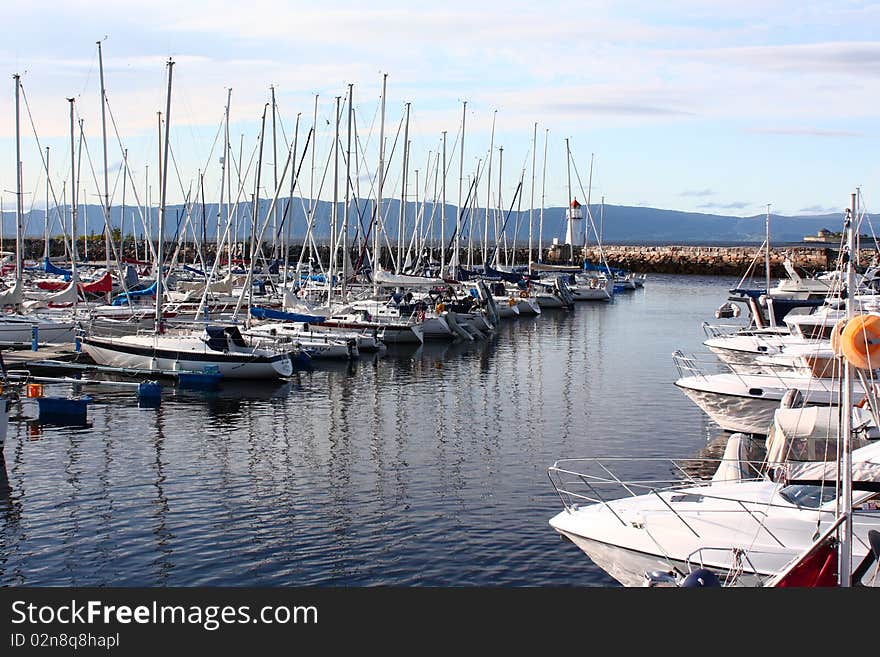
column 574, row 215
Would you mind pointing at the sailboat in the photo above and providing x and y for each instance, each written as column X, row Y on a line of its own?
column 214, row 350
column 15, row 327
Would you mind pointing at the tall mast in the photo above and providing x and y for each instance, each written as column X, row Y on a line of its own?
column 104, row 136
column 401, row 218
column 345, row 258
column 589, row 217
column 334, row 211
column 223, row 174
column 79, row 173
column 312, row 201
column 380, row 178
column 846, row 408
column 568, row 205
column 275, row 178
column 767, row 251
column 162, row 200
column 73, row 190
column 456, row 251
column 18, row 186
column 488, row 193
column 289, row 213
column 532, row 199
column 543, row 190
column 255, row 219
column 46, row 228
column 503, row 235
column 443, row 212
column 122, row 212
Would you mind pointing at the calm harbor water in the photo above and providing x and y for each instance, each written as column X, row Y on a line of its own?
column 425, row 467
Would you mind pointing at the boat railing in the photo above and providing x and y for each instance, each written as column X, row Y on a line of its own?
column 737, row 557
column 721, row 330
column 690, row 365
column 591, row 482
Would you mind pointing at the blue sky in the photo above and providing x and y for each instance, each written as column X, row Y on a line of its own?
column 717, row 107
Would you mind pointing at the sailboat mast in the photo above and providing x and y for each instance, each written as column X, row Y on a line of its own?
column 275, row 177
column 334, row 211
column 543, row 190
column 73, row 208
column 289, row 213
column 488, row 193
column 401, row 217
column 570, row 217
column 443, row 212
column 162, row 200
column 456, row 251
column 345, row 257
column 767, row 250
column 846, row 408
column 104, row 137
column 532, row 199
column 380, row 179
column 46, row 227
column 589, row 218
column 122, row 212
column 18, row 186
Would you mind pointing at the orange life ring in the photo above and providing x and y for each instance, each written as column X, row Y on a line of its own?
column 860, row 341
column 835, row 337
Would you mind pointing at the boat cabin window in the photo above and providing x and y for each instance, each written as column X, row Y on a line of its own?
column 808, row 496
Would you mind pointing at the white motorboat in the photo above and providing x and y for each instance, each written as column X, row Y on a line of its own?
column 747, row 527
column 745, row 402
column 592, row 287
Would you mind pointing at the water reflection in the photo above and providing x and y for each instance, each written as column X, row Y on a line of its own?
column 424, row 465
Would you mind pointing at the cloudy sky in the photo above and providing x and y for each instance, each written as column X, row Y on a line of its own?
column 705, row 106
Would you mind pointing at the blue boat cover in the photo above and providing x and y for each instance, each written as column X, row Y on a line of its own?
column 122, row 299
column 52, row 269
column 257, row 312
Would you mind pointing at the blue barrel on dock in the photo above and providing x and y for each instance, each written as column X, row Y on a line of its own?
column 64, row 410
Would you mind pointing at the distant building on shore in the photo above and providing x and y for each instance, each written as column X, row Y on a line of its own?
column 825, row 236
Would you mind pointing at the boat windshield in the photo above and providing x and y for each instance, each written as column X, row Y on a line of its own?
column 808, row 496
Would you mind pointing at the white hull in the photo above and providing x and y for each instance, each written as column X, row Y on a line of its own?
column 18, row 329
column 170, row 357
column 745, row 403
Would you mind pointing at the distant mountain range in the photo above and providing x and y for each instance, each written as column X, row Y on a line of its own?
column 622, row 224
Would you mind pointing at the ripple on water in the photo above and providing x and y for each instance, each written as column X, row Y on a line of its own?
column 426, row 467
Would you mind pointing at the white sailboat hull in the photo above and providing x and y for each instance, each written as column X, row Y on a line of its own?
column 137, row 353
